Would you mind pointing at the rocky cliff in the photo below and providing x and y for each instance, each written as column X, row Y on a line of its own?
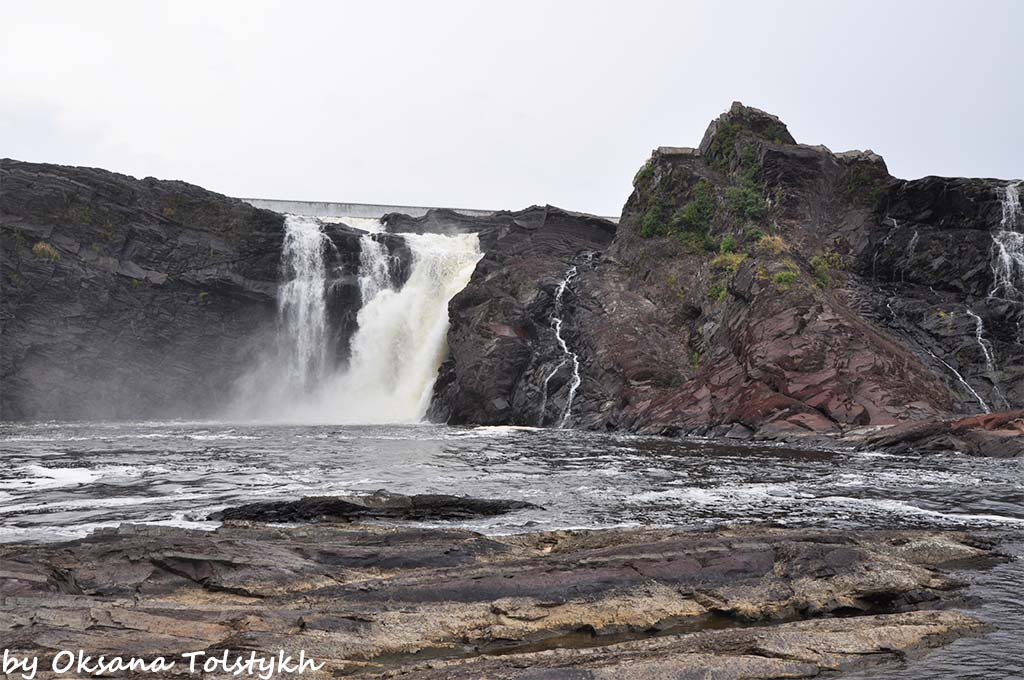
column 754, row 286
column 126, row 298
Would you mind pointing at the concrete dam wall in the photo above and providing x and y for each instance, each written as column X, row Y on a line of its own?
column 330, row 209
column 362, row 211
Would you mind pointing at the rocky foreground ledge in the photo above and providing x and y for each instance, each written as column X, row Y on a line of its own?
column 411, row 602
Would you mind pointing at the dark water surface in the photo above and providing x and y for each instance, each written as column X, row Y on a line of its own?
column 62, row 480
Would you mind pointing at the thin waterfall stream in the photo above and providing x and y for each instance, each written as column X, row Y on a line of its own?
column 988, row 353
column 1008, row 248
column 569, row 357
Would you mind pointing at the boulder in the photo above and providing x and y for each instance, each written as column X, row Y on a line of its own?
column 379, row 505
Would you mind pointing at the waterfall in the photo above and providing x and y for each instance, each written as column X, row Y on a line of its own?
column 881, row 247
column 986, row 351
column 302, row 300
column 960, row 378
column 374, row 268
column 401, row 338
column 568, row 355
column 1008, row 248
column 908, row 258
column 896, row 320
column 397, row 347
column 1011, row 206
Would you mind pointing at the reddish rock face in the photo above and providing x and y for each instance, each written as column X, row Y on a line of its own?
column 755, row 286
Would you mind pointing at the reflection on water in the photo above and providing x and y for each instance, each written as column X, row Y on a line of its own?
column 61, row 480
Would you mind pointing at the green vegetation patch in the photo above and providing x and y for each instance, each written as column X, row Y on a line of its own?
column 785, row 279
column 865, row 184
column 729, row 261
column 823, row 266
column 691, row 223
column 44, row 251
column 772, row 245
column 697, row 214
column 746, row 202
column 644, row 174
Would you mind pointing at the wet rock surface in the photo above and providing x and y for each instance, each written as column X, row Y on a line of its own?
column 414, row 602
column 379, row 505
column 505, row 365
column 997, row 435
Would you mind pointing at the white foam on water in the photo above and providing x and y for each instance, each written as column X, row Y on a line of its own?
column 221, row 437
column 898, row 507
column 39, row 477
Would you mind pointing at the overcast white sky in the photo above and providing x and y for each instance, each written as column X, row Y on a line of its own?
column 496, row 105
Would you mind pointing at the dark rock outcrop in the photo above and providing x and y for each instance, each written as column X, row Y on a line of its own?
column 127, row 298
column 379, row 505
column 501, row 342
column 755, row 287
column 434, row 603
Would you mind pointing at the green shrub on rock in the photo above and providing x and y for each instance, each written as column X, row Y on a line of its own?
column 44, row 251
column 697, row 214
column 772, row 244
column 654, row 222
column 729, row 261
column 697, row 242
column 644, row 175
column 691, row 222
column 823, row 266
column 746, row 201
column 785, row 279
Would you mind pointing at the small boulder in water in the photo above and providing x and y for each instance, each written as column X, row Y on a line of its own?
column 378, row 505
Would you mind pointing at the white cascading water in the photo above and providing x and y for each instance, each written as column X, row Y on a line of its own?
column 374, row 268
column 568, row 355
column 401, row 338
column 885, row 242
column 987, row 352
column 962, row 381
column 908, row 258
column 302, row 302
column 1008, row 248
column 396, row 350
